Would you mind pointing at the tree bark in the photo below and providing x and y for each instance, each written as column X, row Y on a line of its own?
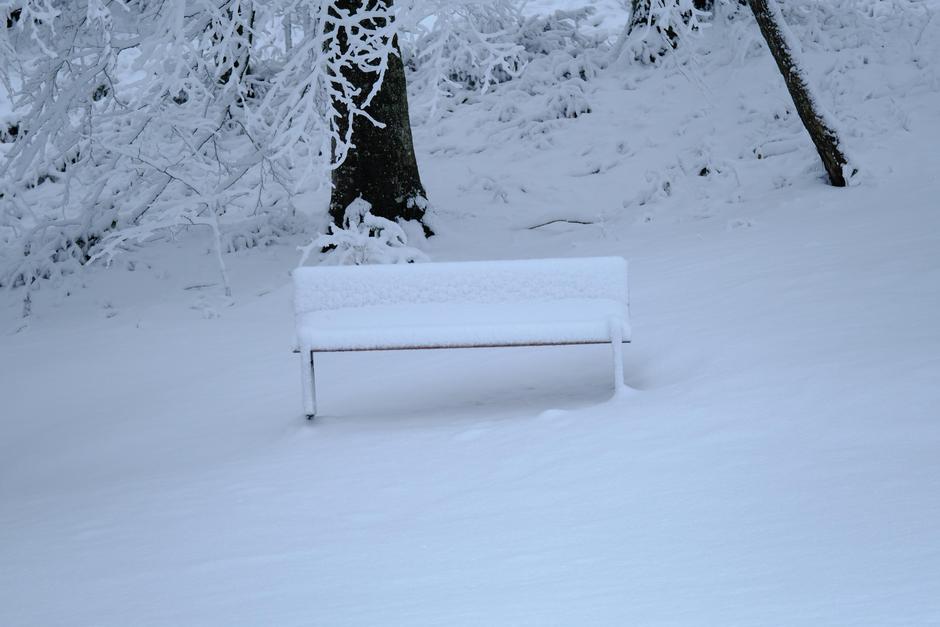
column 820, row 130
column 640, row 16
column 241, row 65
column 13, row 17
column 381, row 167
column 639, row 13
column 640, row 10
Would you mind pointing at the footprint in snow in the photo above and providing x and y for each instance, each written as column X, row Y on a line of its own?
column 472, row 434
column 552, row 414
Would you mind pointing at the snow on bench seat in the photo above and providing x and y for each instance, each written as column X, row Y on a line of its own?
column 458, row 304
column 454, row 325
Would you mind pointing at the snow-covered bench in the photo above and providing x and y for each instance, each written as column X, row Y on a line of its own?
column 474, row 304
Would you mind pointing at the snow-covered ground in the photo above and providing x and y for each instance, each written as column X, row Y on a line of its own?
column 777, row 463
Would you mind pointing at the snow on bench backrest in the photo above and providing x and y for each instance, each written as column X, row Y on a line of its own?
column 324, row 288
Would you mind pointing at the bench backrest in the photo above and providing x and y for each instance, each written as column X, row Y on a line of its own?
column 322, row 288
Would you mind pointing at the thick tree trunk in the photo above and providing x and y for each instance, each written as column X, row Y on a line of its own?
column 639, row 13
column 640, row 10
column 9, row 133
column 241, row 65
column 821, row 130
column 13, row 17
column 381, row 167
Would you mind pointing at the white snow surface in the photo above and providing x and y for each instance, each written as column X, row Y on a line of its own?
column 777, row 461
column 461, row 303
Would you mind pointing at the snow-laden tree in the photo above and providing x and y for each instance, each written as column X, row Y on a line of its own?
column 469, row 45
column 373, row 150
column 818, row 122
column 141, row 117
column 132, row 119
column 657, row 27
column 459, row 48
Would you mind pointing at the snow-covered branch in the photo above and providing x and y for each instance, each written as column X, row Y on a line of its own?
column 135, row 117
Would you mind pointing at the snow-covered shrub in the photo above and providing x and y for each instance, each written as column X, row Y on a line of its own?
column 657, row 27
column 362, row 239
column 451, row 46
column 465, row 46
column 567, row 102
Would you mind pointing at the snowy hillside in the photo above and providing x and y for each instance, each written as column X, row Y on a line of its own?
column 777, row 461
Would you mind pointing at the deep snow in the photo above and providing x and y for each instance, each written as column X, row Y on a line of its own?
column 777, row 463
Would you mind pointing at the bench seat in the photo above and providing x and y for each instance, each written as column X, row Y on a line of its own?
column 446, row 325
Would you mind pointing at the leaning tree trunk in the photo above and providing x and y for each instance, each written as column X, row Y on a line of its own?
column 380, row 167
column 820, row 129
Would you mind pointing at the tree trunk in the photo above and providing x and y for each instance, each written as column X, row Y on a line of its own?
column 380, row 167
column 639, row 13
column 640, row 16
column 640, row 10
column 241, row 65
column 13, row 17
column 820, row 129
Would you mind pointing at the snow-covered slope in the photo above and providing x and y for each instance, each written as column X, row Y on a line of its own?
column 776, row 463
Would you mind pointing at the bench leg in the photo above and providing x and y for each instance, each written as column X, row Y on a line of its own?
column 616, row 346
column 309, row 383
